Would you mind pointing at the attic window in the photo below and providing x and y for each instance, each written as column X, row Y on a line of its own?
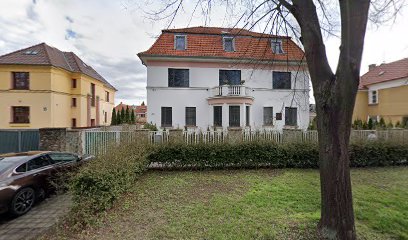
column 381, row 73
column 276, row 45
column 229, row 44
column 180, row 42
column 31, row 52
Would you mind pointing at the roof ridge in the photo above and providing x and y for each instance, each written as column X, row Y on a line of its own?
column 65, row 58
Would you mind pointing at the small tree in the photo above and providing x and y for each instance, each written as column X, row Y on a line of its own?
column 122, row 116
column 127, row 115
column 381, row 124
column 390, row 125
column 370, row 124
column 113, row 120
column 132, row 117
column 398, row 124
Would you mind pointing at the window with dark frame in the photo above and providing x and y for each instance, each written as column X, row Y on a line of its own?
column 234, row 116
column 276, row 45
column 107, row 96
column 166, row 117
column 74, row 124
column 21, row 114
column 74, row 83
column 21, row 80
column 190, row 116
column 217, row 116
column 278, row 116
column 93, row 95
column 106, row 117
column 228, row 44
column 229, row 77
column 180, row 42
column 268, row 116
column 93, row 122
column 290, row 116
column 247, row 116
column 178, row 77
column 281, row 80
column 74, row 102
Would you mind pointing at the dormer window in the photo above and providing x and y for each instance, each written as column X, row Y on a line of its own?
column 276, row 45
column 228, row 43
column 180, row 42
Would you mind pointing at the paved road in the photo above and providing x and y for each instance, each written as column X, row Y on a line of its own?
column 37, row 221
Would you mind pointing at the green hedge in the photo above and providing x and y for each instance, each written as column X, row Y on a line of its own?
column 99, row 182
column 262, row 154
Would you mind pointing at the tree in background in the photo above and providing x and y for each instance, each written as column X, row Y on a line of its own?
column 122, row 116
column 114, row 121
column 334, row 90
column 132, row 117
column 127, row 115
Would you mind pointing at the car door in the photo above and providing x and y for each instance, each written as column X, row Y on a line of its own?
column 39, row 171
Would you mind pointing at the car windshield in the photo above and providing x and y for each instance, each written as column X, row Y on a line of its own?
column 7, row 162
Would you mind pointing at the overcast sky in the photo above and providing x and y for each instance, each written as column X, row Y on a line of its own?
column 108, row 34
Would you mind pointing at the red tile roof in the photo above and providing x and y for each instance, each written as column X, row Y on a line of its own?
column 207, row 42
column 137, row 109
column 42, row 54
column 385, row 72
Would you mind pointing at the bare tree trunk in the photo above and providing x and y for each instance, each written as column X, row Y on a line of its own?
column 335, row 96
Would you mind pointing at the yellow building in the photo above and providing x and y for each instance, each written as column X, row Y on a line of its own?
column 383, row 93
column 41, row 86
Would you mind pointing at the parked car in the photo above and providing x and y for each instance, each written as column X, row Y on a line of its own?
column 25, row 177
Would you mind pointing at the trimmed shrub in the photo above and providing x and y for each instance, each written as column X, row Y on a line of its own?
column 264, row 154
column 98, row 183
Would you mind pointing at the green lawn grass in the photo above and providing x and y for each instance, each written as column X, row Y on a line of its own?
column 250, row 204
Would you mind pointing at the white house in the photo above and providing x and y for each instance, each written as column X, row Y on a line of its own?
column 205, row 77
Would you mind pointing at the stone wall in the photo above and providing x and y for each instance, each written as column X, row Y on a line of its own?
column 53, row 139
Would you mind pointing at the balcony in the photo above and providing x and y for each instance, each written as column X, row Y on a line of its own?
column 230, row 94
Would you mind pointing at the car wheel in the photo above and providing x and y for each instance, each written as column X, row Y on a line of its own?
column 22, row 202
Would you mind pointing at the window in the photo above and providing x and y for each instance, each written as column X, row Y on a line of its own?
column 73, row 83
column 247, row 117
column 180, row 43
column 178, row 77
column 276, row 45
column 229, row 77
column 21, row 80
column 166, row 117
column 93, row 123
column 93, row 97
column 268, row 116
column 74, row 102
column 217, row 116
column 21, row 114
column 63, row 157
column 228, row 44
column 373, row 97
column 290, row 116
column 190, row 116
column 281, row 80
column 38, row 162
column 106, row 117
column 278, row 116
column 74, row 124
column 22, row 168
column 107, row 96
column 234, row 116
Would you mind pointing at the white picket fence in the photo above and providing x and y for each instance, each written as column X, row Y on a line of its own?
column 98, row 142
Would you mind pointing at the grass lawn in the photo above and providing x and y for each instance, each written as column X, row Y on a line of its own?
column 249, row 204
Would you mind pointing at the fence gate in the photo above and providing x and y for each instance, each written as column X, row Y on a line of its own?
column 19, row 140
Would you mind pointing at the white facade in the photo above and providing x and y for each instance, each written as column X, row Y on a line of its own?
column 256, row 92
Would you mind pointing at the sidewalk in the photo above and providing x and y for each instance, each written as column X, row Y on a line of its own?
column 42, row 217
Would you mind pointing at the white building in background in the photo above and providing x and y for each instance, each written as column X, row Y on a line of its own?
column 204, row 77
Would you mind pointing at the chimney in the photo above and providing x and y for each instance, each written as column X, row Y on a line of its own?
column 371, row 67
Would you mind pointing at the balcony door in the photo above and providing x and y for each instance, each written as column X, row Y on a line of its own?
column 234, row 116
column 230, row 77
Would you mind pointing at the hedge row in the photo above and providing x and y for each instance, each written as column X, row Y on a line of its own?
column 262, row 154
column 98, row 183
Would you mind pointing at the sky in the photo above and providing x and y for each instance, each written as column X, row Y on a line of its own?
column 108, row 34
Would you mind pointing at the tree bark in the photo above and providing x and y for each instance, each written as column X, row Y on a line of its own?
column 335, row 96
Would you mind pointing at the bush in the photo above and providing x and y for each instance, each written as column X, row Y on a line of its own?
column 98, row 183
column 263, row 154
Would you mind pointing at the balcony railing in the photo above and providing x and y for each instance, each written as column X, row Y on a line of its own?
column 230, row 90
